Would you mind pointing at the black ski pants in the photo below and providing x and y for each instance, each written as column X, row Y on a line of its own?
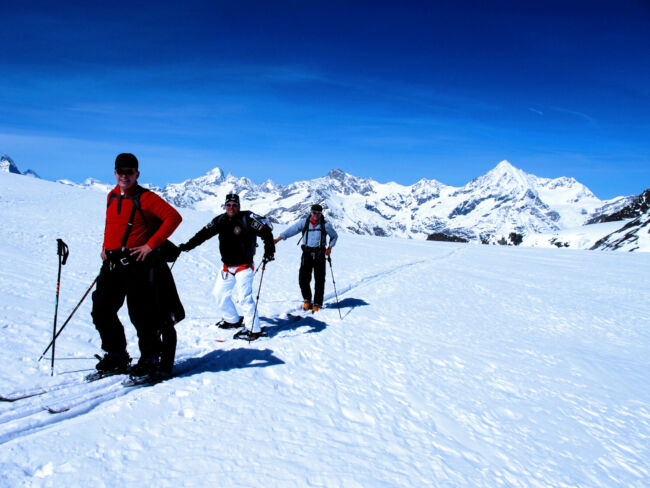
column 313, row 260
column 134, row 282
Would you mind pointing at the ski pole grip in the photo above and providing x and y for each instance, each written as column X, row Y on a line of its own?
column 62, row 250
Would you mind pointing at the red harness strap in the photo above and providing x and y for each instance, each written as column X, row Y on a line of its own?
column 239, row 268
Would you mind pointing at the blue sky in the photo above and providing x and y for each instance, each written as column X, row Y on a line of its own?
column 287, row 90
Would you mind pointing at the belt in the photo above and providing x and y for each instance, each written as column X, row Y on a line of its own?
column 119, row 256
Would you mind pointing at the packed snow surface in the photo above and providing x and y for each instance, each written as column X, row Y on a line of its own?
column 452, row 365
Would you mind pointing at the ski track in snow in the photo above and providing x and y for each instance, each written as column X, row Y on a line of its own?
column 81, row 396
column 454, row 365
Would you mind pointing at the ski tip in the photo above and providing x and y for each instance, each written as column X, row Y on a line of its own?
column 15, row 398
column 56, row 410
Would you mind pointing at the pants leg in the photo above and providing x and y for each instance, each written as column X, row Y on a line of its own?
column 143, row 309
column 304, row 276
column 243, row 295
column 168, row 350
column 108, row 298
column 319, row 279
column 223, row 295
column 171, row 311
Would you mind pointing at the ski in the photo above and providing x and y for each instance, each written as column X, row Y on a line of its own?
column 16, row 397
column 243, row 335
column 56, row 410
column 99, row 395
column 38, row 391
column 222, row 324
column 146, row 380
column 98, row 375
column 66, row 406
column 129, row 382
column 23, row 395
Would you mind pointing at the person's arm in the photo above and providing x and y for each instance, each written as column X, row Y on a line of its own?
column 262, row 230
column 292, row 231
column 210, row 230
column 333, row 237
column 103, row 253
column 170, row 218
column 269, row 244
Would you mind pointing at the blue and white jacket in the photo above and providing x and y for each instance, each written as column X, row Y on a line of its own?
column 311, row 238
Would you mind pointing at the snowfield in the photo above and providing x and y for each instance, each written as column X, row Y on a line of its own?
column 453, row 365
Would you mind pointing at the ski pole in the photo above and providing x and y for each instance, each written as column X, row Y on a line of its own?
column 329, row 259
column 68, row 319
column 62, row 252
column 259, row 290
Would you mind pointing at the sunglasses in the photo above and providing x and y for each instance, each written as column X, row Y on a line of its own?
column 125, row 171
column 232, row 205
column 316, row 212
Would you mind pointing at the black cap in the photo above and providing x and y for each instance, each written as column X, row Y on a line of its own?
column 126, row 160
column 232, row 197
column 316, row 208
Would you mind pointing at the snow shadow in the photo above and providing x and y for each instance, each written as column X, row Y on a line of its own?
column 349, row 303
column 218, row 361
column 292, row 322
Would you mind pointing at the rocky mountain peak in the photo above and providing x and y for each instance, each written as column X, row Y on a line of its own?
column 337, row 174
column 504, row 176
column 215, row 175
column 635, row 234
column 7, row 165
column 632, row 208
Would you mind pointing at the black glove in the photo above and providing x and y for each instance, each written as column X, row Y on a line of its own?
column 268, row 257
column 183, row 247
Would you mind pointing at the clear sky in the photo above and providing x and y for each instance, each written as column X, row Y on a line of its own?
column 287, row 90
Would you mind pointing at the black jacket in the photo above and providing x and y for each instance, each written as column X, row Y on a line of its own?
column 237, row 237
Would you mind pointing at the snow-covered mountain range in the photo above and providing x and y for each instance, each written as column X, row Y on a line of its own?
column 487, row 209
column 491, row 208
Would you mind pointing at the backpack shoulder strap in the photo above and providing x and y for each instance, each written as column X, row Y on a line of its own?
column 323, row 234
column 136, row 208
column 305, row 229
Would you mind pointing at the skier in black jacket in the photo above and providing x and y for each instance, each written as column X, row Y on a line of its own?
column 237, row 232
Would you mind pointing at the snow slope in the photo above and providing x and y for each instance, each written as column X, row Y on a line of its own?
column 453, row 365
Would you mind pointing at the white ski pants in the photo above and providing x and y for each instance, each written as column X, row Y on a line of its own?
column 233, row 292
